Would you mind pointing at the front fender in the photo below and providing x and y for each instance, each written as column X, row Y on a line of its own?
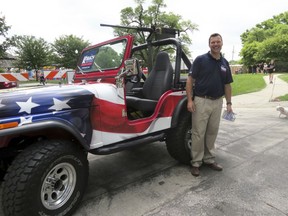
column 46, row 125
column 180, row 109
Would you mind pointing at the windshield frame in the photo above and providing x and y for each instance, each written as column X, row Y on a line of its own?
column 99, row 58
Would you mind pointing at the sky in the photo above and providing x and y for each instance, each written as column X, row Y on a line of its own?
column 54, row 18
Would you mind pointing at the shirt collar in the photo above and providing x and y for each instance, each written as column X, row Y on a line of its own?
column 209, row 54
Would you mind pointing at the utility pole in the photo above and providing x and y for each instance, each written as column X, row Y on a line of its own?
column 233, row 53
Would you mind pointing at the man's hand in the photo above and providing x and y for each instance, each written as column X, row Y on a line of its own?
column 191, row 106
column 229, row 108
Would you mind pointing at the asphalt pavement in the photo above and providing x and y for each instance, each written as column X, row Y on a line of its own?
column 253, row 151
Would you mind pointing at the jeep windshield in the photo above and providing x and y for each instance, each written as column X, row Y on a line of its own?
column 103, row 57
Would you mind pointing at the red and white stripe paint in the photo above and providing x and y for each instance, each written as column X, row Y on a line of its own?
column 55, row 74
column 13, row 77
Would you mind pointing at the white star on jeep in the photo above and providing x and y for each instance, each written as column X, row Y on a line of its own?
column 27, row 106
column 1, row 105
column 59, row 105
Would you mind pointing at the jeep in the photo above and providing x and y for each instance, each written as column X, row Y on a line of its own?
column 46, row 133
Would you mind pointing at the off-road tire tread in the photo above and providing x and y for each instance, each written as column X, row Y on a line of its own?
column 175, row 142
column 20, row 171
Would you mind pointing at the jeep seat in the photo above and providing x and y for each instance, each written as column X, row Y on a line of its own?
column 158, row 82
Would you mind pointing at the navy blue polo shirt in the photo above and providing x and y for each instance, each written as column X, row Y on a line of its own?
column 210, row 75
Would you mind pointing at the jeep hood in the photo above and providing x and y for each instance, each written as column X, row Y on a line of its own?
column 44, row 100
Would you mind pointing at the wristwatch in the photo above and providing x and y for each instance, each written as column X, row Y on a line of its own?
column 229, row 103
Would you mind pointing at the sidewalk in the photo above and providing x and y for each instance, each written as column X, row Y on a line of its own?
column 263, row 98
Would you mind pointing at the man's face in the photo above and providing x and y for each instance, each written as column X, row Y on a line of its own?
column 215, row 44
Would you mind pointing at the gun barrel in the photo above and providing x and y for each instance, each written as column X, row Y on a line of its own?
column 129, row 27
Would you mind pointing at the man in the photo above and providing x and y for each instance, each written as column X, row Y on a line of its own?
column 270, row 70
column 208, row 81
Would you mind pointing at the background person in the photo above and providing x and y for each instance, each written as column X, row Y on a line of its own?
column 208, row 81
column 270, row 70
column 265, row 68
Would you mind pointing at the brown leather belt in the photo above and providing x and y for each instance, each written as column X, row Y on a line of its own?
column 208, row 97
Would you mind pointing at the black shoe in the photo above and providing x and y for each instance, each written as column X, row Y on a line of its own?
column 195, row 171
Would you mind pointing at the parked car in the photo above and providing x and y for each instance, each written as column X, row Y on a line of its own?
column 4, row 85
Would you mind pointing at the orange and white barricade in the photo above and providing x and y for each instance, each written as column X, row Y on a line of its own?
column 55, row 74
column 13, row 77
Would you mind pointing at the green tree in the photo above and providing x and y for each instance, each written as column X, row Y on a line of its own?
column 5, row 42
column 267, row 40
column 67, row 50
column 32, row 53
column 249, row 52
column 154, row 17
column 108, row 58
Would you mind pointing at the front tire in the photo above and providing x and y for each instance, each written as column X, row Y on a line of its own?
column 178, row 141
column 47, row 178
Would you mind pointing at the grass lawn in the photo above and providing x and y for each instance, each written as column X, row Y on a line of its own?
column 48, row 81
column 247, row 83
column 285, row 78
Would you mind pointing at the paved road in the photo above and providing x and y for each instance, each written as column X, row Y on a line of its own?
column 253, row 151
column 24, row 86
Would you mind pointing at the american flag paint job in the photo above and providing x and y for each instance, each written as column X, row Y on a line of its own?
column 96, row 110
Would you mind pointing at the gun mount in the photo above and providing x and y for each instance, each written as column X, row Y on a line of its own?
column 159, row 33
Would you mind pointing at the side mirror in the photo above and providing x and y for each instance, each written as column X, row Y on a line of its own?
column 132, row 67
column 131, row 71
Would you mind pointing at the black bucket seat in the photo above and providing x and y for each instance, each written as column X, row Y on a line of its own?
column 159, row 81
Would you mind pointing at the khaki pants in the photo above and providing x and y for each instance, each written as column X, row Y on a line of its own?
column 205, row 126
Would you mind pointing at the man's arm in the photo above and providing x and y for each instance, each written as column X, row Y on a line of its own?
column 189, row 87
column 189, row 93
column 228, row 97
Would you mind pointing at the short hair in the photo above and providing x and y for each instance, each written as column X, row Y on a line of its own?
column 214, row 35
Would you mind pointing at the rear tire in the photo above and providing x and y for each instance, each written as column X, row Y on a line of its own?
column 47, row 178
column 178, row 140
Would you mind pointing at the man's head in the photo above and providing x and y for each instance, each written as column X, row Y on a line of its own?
column 215, row 43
